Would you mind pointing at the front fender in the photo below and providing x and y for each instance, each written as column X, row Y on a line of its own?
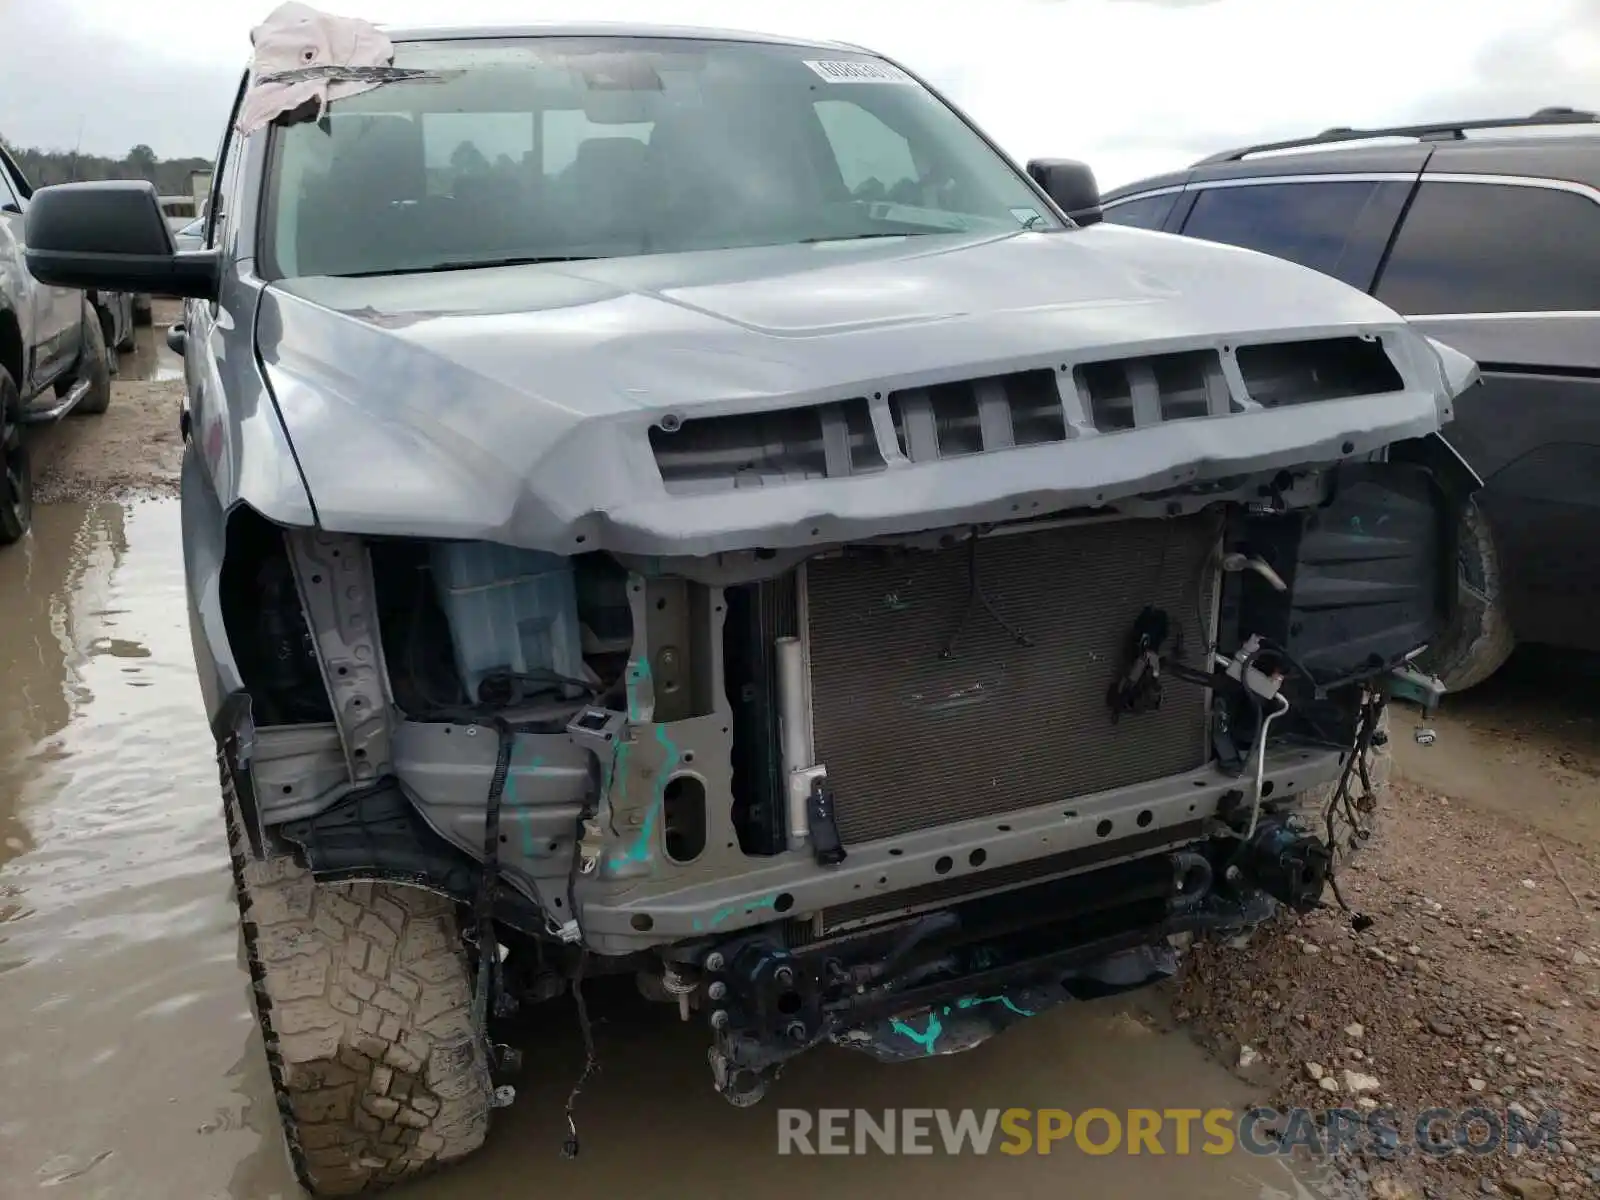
column 204, row 548
column 1460, row 371
column 227, row 704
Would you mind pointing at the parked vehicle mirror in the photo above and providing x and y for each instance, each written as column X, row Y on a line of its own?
column 111, row 235
column 1071, row 184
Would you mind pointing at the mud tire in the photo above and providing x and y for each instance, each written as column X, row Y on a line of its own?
column 94, row 364
column 16, row 470
column 363, row 994
column 1480, row 638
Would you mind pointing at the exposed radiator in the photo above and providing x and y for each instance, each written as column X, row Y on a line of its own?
column 913, row 739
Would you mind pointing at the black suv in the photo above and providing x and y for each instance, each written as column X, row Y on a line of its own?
column 1486, row 234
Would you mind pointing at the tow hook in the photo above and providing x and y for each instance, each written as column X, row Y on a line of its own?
column 1425, row 691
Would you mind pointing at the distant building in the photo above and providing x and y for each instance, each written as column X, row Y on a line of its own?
column 179, row 206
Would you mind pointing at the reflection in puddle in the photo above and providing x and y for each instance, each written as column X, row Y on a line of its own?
column 122, row 1010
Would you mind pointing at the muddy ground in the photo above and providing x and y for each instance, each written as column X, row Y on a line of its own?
column 129, row 1065
column 132, row 450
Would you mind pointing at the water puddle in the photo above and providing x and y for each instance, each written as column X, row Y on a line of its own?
column 129, row 1055
column 151, row 360
column 123, row 1023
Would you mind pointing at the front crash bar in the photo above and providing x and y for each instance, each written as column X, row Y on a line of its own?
column 1119, row 824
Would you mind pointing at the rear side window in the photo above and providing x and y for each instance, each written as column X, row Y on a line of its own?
column 1318, row 225
column 1150, row 212
column 1487, row 247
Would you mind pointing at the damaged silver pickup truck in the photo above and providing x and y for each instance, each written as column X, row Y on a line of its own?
column 683, row 504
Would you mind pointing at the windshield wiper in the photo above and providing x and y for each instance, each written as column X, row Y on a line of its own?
column 472, row 264
column 852, row 237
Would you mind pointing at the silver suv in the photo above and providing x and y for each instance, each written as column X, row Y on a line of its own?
column 683, row 504
column 54, row 356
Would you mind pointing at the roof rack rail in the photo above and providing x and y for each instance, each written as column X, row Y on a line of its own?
column 1435, row 132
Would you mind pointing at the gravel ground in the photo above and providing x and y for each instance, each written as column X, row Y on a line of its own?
column 1476, row 985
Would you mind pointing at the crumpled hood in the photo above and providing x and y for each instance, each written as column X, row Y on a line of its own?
column 514, row 404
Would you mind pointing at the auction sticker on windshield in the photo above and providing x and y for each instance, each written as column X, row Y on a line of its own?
column 859, row 72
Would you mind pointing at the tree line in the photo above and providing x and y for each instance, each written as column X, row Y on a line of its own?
column 43, row 167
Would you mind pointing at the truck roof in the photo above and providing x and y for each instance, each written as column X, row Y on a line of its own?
column 600, row 29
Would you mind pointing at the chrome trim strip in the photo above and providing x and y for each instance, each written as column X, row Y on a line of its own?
column 1580, row 314
column 1322, row 177
column 1169, row 190
column 1554, row 185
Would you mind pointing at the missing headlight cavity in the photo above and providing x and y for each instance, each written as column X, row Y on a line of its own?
column 266, row 624
column 1326, row 369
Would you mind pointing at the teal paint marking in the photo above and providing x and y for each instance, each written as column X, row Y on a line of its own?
column 509, row 795
column 927, row 1038
column 638, row 675
column 617, row 776
column 643, row 847
column 722, row 914
column 975, row 1001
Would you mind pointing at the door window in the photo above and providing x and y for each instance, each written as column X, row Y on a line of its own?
column 1317, row 225
column 1148, row 212
column 1489, row 247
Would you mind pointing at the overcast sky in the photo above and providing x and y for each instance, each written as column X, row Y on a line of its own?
column 1133, row 86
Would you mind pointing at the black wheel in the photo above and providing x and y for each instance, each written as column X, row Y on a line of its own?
column 1479, row 639
column 16, row 471
column 142, row 312
column 94, row 364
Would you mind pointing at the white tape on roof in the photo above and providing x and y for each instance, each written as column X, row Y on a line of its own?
column 304, row 55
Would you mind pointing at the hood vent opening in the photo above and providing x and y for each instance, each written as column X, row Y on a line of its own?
column 1181, row 382
column 1131, row 393
column 1285, row 373
column 975, row 416
column 1110, row 394
column 789, row 445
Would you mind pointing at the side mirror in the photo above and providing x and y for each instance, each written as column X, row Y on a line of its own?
column 1071, row 184
column 111, row 236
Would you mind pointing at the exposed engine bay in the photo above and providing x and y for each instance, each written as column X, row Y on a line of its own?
column 892, row 794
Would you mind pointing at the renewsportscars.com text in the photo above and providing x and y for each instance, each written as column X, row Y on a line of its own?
column 1436, row 1132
